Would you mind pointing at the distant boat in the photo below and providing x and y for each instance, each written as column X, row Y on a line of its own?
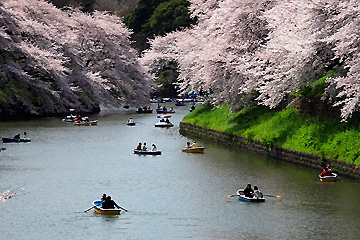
column 144, row 111
column 180, row 104
column 331, row 178
column 140, row 152
column 84, row 123
column 10, row 140
column 131, row 122
column 247, row 199
column 194, row 150
column 165, row 111
column 98, row 208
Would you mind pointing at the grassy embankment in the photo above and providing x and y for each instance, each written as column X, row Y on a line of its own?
column 287, row 128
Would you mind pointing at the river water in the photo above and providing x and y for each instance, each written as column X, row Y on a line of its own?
column 172, row 196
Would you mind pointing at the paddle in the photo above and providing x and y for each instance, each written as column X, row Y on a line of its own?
column 228, row 196
column 92, row 207
column 123, row 209
column 273, row 196
column 267, row 195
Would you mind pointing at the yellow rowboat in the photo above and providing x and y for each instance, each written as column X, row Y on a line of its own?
column 98, row 208
column 194, row 150
column 331, row 178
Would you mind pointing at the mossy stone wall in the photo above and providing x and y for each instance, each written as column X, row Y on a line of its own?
column 305, row 159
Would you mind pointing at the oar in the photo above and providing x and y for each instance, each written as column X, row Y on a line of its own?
column 92, row 207
column 228, row 196
column 273, row 196
column 123, row 209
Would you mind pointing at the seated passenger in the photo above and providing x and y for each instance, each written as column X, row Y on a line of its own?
column 153, row 148
column 257, row 193
column 194, row 145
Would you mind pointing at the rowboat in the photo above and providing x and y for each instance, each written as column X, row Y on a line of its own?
column 180, row 104
column 193, row 150
column 144, row 111
column 247, row 199
column 165, row 111
column 331, row 178
column 164, row 124
column 10, row 140
column 90, row 123
column 98, row 208
column 140, row 152
column 131, row 122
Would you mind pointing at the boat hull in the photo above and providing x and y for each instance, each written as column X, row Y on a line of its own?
column 180, row 104
column 97, row 207
column 131, row 124
column 165, row 112
column 158, row 152
column 11, row 140
column 194, row 150
column 145, row 111
column 164, row 124
column 90, row 123
column 247, row 199
column 331, row 178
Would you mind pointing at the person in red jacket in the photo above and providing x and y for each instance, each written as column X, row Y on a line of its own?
column 326, row 171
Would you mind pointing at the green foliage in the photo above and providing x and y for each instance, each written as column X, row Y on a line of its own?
column 163, row 78
column 3, row 96
column 317, row 88
column 157, row 17
column 169, row 16
column 287, row 128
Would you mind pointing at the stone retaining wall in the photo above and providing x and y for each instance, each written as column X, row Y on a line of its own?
column 305, row 159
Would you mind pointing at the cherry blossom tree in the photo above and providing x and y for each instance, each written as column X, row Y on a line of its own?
column 85, row 54
column 266, row 49
column 345, row 37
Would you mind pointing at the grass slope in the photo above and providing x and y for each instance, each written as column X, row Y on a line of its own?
column 287, row 128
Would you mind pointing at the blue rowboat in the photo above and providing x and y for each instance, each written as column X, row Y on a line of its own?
column 10, row 140
column 98, row 208
column 247, row 199
column 139, row 152
column 180, row 104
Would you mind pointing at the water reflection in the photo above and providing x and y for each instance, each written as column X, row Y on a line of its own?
column 174, row 195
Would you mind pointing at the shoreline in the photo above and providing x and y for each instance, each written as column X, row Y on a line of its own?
column 277, row 152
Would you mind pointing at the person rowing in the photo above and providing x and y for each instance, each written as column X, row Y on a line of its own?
column 326, row 171
column 109, row 204
column 248, row 192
